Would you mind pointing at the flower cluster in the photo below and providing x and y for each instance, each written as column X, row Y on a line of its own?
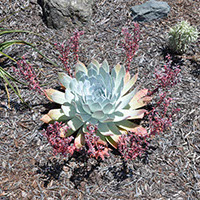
column 60, row 144
column 132, row 146
column 70, row 46
column 25, row 71
column 130, row 43
column 65, row 145
column 135, row 144
column 94, row 147
column 167, row 76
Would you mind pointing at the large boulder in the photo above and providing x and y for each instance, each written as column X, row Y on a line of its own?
column 59, row 13
column 150, row 10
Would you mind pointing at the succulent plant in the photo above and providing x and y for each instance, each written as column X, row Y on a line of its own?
column 181, row 35
column 98, row 99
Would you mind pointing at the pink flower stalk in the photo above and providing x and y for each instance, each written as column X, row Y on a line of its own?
column 130, row 43
column 94, row 147
column 71, row 46
column 159, row 119
column 74, row 40
column 56, row 132
column 60, row 144
column 132, row 146
column 166, row 77
column 25, row 71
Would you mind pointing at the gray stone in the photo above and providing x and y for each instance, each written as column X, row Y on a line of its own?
column 59, row 13
column 150, row 10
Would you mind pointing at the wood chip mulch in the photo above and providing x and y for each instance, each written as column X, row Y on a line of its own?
column 171, row 167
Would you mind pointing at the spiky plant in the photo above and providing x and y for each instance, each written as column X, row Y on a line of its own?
column 181, row 35
column 99, row 99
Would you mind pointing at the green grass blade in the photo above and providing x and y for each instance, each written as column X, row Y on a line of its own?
column 10, row 85
column 24, row 31
column 3, row 72
column 8, row 56
column 6, row 44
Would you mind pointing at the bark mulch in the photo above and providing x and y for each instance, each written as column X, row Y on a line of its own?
column 170, row 169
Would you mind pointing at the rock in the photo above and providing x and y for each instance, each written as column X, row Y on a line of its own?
column 59, row 13
column 150, row 10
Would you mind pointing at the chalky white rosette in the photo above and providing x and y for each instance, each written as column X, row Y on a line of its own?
column 99, row 98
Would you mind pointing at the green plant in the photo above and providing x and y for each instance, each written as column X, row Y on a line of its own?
column 8, row 78
column 98, row 100
column 11, row 82
column 6, row 44
column 180, row 36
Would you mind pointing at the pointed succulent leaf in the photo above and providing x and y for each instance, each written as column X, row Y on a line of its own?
column 98, row 115
column 120, row 77
column 113, row 74
column 104, row 130
column 69, row 110
column 95, row 63
column 95, row 106
column 84, row 117
column 75, row 123
column 126, row 124
column 79, row 140
column 92, row 72
column 113, row 140
column 127, row 77
column 102, row 138
column 137, row 114
column 129, row 84
column 64, row 79
column 68, row 96
column 105, row 102
column 123, row 131
column 128, row 114
column 79, row 108
column 80, row 67
column 74, row 86
column 63, row 131
column 108, row 118
column 117, row 69
column 119, row 84
column 113, row 128
column 46, row 119
column 121, row 73
column 141, row 102
column 138, row 96
column 124, row 101
column 140, row 131
column 108, row 108
column 105, row 66
column 58, row 115
column 93, row 121
column 80, row 75
column 86, row 108
column 103, row 73
column 55, row 96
